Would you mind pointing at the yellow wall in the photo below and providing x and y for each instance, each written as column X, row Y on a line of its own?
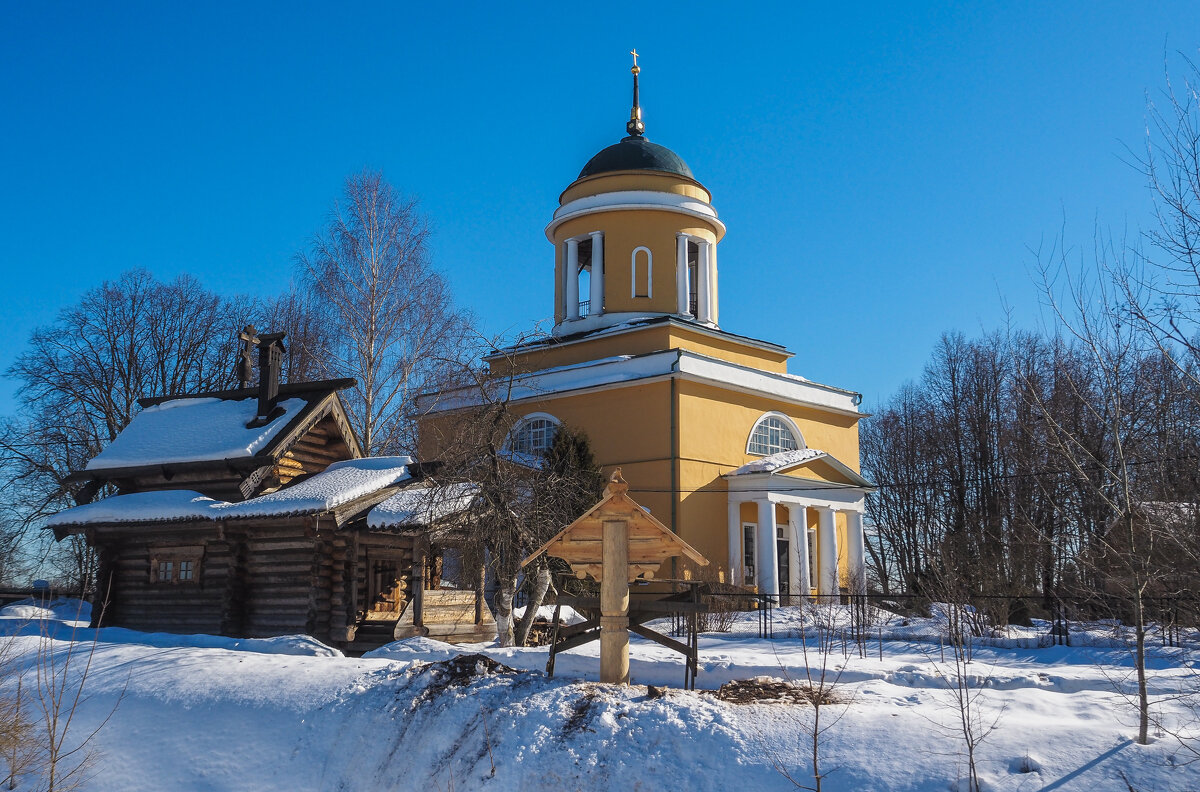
column 718, row 422
column 617, row 181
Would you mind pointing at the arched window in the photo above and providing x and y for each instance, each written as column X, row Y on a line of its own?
column 773, row 433
column 533, row 434
column 642, row 264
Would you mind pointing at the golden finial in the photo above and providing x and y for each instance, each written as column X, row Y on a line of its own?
column 635, row 127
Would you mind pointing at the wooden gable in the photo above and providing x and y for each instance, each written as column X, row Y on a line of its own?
column 650, row 542
column 315, row 437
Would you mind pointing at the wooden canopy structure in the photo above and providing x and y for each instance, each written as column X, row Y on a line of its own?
column 617, row 542
column 581, row 544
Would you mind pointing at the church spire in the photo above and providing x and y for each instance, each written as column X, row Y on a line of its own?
column 635, row 127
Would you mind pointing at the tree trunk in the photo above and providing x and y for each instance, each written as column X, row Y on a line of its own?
column 1140, row 662
column 507, row 589
column 541, row 584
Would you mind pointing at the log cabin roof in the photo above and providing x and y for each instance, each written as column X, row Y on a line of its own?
column 344, row 491
column 202, row 442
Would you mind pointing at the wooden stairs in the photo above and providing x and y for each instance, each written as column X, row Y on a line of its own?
column 449, row 615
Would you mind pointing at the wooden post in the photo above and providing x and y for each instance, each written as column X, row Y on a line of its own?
column 614, row 605
column 480, row 583
column 418, row 581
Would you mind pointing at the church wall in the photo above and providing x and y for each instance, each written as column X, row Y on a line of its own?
column 715, row 426
column 618, row 181
column 630, row 427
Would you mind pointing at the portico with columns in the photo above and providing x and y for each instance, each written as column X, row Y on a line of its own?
column 791, row 536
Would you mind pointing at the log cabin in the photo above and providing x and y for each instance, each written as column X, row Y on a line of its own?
column 253, row 512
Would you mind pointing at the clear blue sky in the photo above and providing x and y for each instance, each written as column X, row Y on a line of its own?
column 882, row 169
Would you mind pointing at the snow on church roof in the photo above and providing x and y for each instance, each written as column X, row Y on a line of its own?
column 192, row 430
column 337, row 485
column 779, row 461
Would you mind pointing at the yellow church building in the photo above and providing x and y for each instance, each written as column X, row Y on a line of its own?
column 755, row 467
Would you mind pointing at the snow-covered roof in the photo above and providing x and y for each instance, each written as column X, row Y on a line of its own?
column 193, row 430
column 780, row 461
column 672, row 362
column 422, row 505
column 140, row 507
column 337, row 485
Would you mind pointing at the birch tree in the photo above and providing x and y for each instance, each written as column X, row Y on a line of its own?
column 389, row 312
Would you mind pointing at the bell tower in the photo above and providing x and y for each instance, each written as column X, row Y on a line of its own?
column 635, row 236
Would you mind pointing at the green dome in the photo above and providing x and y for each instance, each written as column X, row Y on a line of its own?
column 636, row 153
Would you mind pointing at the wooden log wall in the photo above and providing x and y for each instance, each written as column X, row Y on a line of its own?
column 256, row 581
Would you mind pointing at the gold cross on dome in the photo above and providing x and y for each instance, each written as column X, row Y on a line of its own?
column 634, row 54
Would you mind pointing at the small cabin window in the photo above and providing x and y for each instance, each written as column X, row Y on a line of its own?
column 642, row 265
column 175, row 565
column 772, row 434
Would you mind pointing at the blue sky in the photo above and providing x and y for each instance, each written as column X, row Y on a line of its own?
column 883, row 169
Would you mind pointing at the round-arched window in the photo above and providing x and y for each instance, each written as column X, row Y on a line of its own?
column 772, row 434
column 533, row 435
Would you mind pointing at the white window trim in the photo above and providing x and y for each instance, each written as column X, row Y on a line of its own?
column 633, row 261
column 522, row 421
column 788, row 422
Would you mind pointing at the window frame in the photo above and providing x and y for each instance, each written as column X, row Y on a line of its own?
column 174, row 558
column 524, row 421
column 788, row 424
column 633, row 267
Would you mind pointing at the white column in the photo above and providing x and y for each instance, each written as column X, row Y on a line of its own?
column 768, row 552
column 572, row 272
column 735, row 543
column 714, row 297
column 703, row 290
column 797, row 552
column 827, row 556
column 801, row 520
column 681, row 280
column 856, row 553
column 597, row 281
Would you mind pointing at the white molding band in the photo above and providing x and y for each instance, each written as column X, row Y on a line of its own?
column 634, row 199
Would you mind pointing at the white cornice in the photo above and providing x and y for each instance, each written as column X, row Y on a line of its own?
column 624, row 371
column 635, row 199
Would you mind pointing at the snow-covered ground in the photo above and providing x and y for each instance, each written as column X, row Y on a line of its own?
column 208, row 713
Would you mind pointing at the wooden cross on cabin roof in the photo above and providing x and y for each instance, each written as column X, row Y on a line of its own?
column 244, row 368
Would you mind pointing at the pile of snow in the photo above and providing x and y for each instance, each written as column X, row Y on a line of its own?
column 192, row 713
column 337, row 485
column 567, row 615
column 193, row 430
column 71, row 611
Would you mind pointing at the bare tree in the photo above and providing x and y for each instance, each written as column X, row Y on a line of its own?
column 390, row 316
column 1121, row 557
column 80, row 377
column 524, row 496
